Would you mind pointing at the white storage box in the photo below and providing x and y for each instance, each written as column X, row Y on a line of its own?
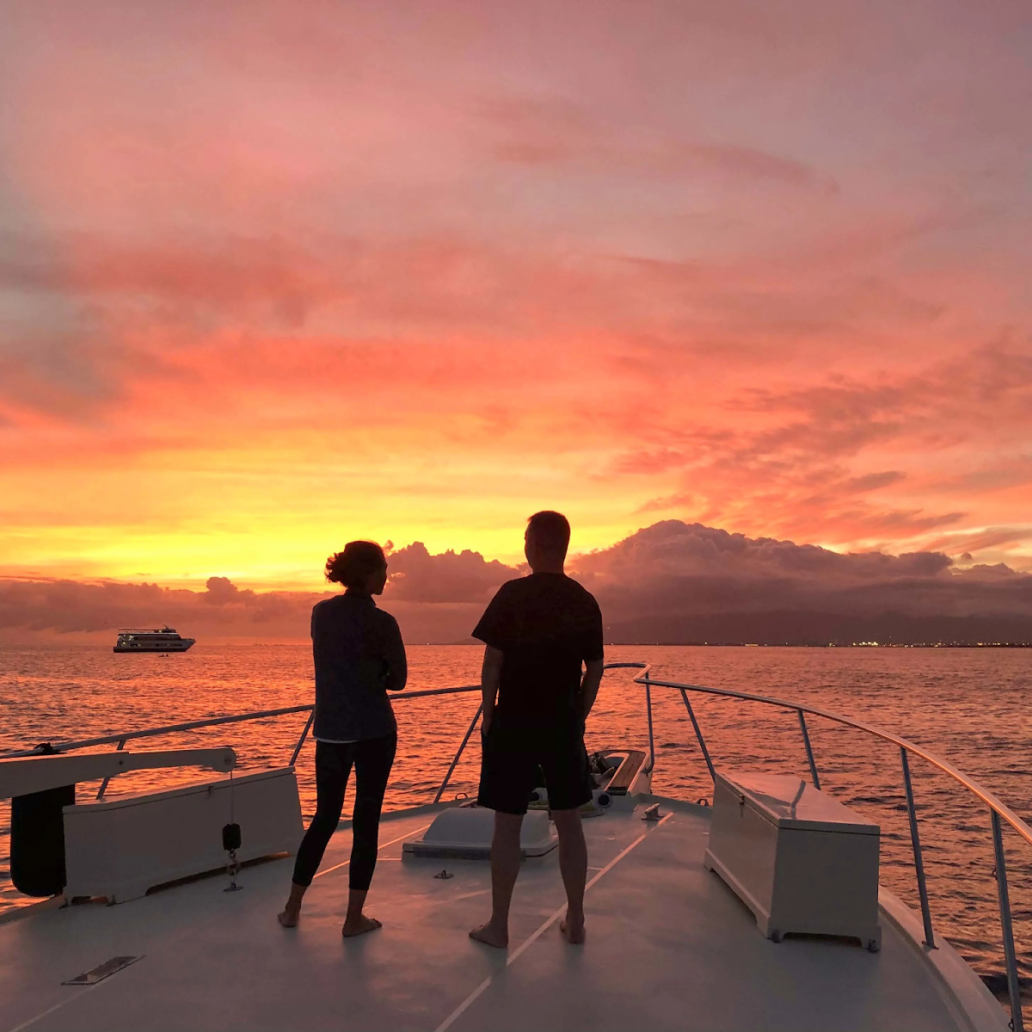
column 122, row 847
column 801, row 861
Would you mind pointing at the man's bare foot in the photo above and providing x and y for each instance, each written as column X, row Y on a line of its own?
column 288, row 917
column 491, row 936
column 572, row 931
column 359, row 926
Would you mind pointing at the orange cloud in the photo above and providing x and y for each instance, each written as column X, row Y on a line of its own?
column 273, row 278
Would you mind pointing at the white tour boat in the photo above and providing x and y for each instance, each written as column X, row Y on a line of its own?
column 162, row 639
column 760, row 911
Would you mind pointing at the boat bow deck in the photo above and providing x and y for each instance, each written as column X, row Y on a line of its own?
column 669, row 947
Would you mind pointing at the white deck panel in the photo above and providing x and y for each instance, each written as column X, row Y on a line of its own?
column 669, row 947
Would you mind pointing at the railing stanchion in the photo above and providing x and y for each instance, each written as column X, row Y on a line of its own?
column 809, row 751
column 698, row 735
column 455, row 762
column 301, row 740
column 648, row 710
column 1013, row 986
column 915, row 839
column 104, row 783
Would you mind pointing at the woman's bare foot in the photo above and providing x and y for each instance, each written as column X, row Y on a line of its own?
column 491, row 936
column 359, row 926
column 292, row 911
column 288, row 917
column 572, row 931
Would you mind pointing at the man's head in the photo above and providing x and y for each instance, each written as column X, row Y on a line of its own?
column 546, row 541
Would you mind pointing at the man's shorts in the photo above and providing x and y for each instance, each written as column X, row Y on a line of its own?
column 509, row 771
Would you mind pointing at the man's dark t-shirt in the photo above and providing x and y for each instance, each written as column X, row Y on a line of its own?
column 546, row 625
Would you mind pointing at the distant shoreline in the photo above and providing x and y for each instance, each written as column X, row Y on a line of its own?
column 831, row 644
column 259, row 643
column 797, row 644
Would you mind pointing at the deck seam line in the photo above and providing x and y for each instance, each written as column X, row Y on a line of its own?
column 79, row 995
column 534, row 936
column 57, row 1006
column 337, row 867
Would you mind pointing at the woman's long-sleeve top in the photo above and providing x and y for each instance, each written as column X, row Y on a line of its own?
column 359, row 657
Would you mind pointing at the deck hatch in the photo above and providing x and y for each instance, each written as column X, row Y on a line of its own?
column 102, row 971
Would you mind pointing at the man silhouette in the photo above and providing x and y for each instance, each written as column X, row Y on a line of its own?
column 538, row 630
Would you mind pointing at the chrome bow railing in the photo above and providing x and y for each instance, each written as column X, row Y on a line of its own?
column 119, row 739
column 47, row 748
column 999, row 812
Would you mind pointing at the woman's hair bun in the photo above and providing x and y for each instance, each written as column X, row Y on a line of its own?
column 355, row 563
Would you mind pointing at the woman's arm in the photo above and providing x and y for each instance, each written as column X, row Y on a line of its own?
column 396, row 674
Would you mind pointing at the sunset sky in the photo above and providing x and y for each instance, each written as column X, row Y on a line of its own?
column 278, row 275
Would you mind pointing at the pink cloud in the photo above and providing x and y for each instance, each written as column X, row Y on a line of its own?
column 416, row 575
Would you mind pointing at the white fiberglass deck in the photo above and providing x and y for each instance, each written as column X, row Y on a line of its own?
column 669, row 947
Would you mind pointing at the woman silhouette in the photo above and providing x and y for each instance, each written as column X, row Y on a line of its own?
column 359, row 657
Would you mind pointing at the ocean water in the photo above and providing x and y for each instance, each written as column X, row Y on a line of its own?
column 971, row 706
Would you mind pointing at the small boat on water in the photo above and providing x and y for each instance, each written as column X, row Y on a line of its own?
column 760, row 908
column 163, row 639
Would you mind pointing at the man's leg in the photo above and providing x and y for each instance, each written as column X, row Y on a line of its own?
column 568, row 779
column 505, row 866
column 573, row 863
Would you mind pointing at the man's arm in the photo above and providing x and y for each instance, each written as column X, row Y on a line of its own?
column 593, row 666
column 490, row 674
column 590, row 683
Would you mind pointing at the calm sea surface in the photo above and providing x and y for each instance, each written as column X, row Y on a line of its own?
column 970, row 706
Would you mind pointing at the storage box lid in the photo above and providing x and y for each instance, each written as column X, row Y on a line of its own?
column 789, row 802
column 189, row 788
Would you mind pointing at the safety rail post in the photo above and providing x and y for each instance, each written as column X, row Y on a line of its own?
column 648, row 710
column 915, row 838
column 455, row 762
column 698, row 735
column 301, row 740
column 104, row 783
column 1013, row 985
column 809, row 751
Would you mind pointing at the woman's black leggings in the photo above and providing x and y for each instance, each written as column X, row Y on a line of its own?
column 372, row 759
